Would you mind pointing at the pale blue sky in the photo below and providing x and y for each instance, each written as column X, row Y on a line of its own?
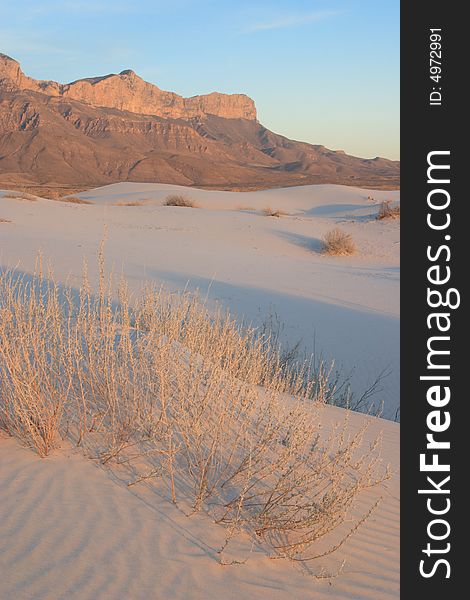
column 322, row 71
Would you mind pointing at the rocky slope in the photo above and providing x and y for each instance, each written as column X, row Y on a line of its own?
column 121, row 128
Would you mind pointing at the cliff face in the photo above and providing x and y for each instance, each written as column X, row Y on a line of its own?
column 127, row 91
column 120, row 128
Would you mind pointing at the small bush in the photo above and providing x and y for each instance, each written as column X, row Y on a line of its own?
column 4, row 221
column 131, row 203
column 339, row 243
column 55, row 193
column 72, row 200
column 273, row 212
column 387, row 211
column 20, row 196
column 179, row 200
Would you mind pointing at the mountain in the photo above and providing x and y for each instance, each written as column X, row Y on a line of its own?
column 101, row 130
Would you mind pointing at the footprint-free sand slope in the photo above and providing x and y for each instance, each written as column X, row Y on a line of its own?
column 70, row 530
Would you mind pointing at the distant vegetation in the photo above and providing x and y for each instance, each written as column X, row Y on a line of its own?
column 388, row 211
column 20, row 196
column 180, row 200
column 273, row 212
column 131, row 203
column 73, row 200
column 338, row 243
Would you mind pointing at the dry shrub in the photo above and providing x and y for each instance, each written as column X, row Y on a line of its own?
column 20, row 196
column 55, row 192
column 72, row 200
column 388, row 211
column 179, row 200
column 338, row 243
column 32, row 340
column 5, row 221
column 273, row 212
column 132, row 203
column 173, row 392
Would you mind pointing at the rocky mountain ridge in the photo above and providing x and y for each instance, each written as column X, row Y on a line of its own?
column 127, row 91
column 119, row 128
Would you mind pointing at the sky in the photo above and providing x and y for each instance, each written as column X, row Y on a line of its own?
column 320, row 71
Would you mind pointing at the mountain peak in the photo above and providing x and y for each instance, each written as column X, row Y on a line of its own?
column 129, row 72
column 5, row 57
column 9, row 67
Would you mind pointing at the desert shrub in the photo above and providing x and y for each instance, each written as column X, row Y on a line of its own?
column 388, row 211
column 32, row 371
column 5, row 221
column 20, row 196
column 187, row 399
column 179, row 200
column 131, row 203
column 273, row 212
column 338, row 242
column 55, row 193
column 72, row 200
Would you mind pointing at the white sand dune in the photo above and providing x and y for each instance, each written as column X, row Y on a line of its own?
column 71, row 530
column 346, row 308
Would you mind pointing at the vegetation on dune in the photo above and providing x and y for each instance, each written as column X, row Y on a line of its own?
column 132, row 203
column 184, row 398
column 388, row 211
column 338, row 243
column 19, row 196
column 72, row 200
column 180, row 200
column 273, row 212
